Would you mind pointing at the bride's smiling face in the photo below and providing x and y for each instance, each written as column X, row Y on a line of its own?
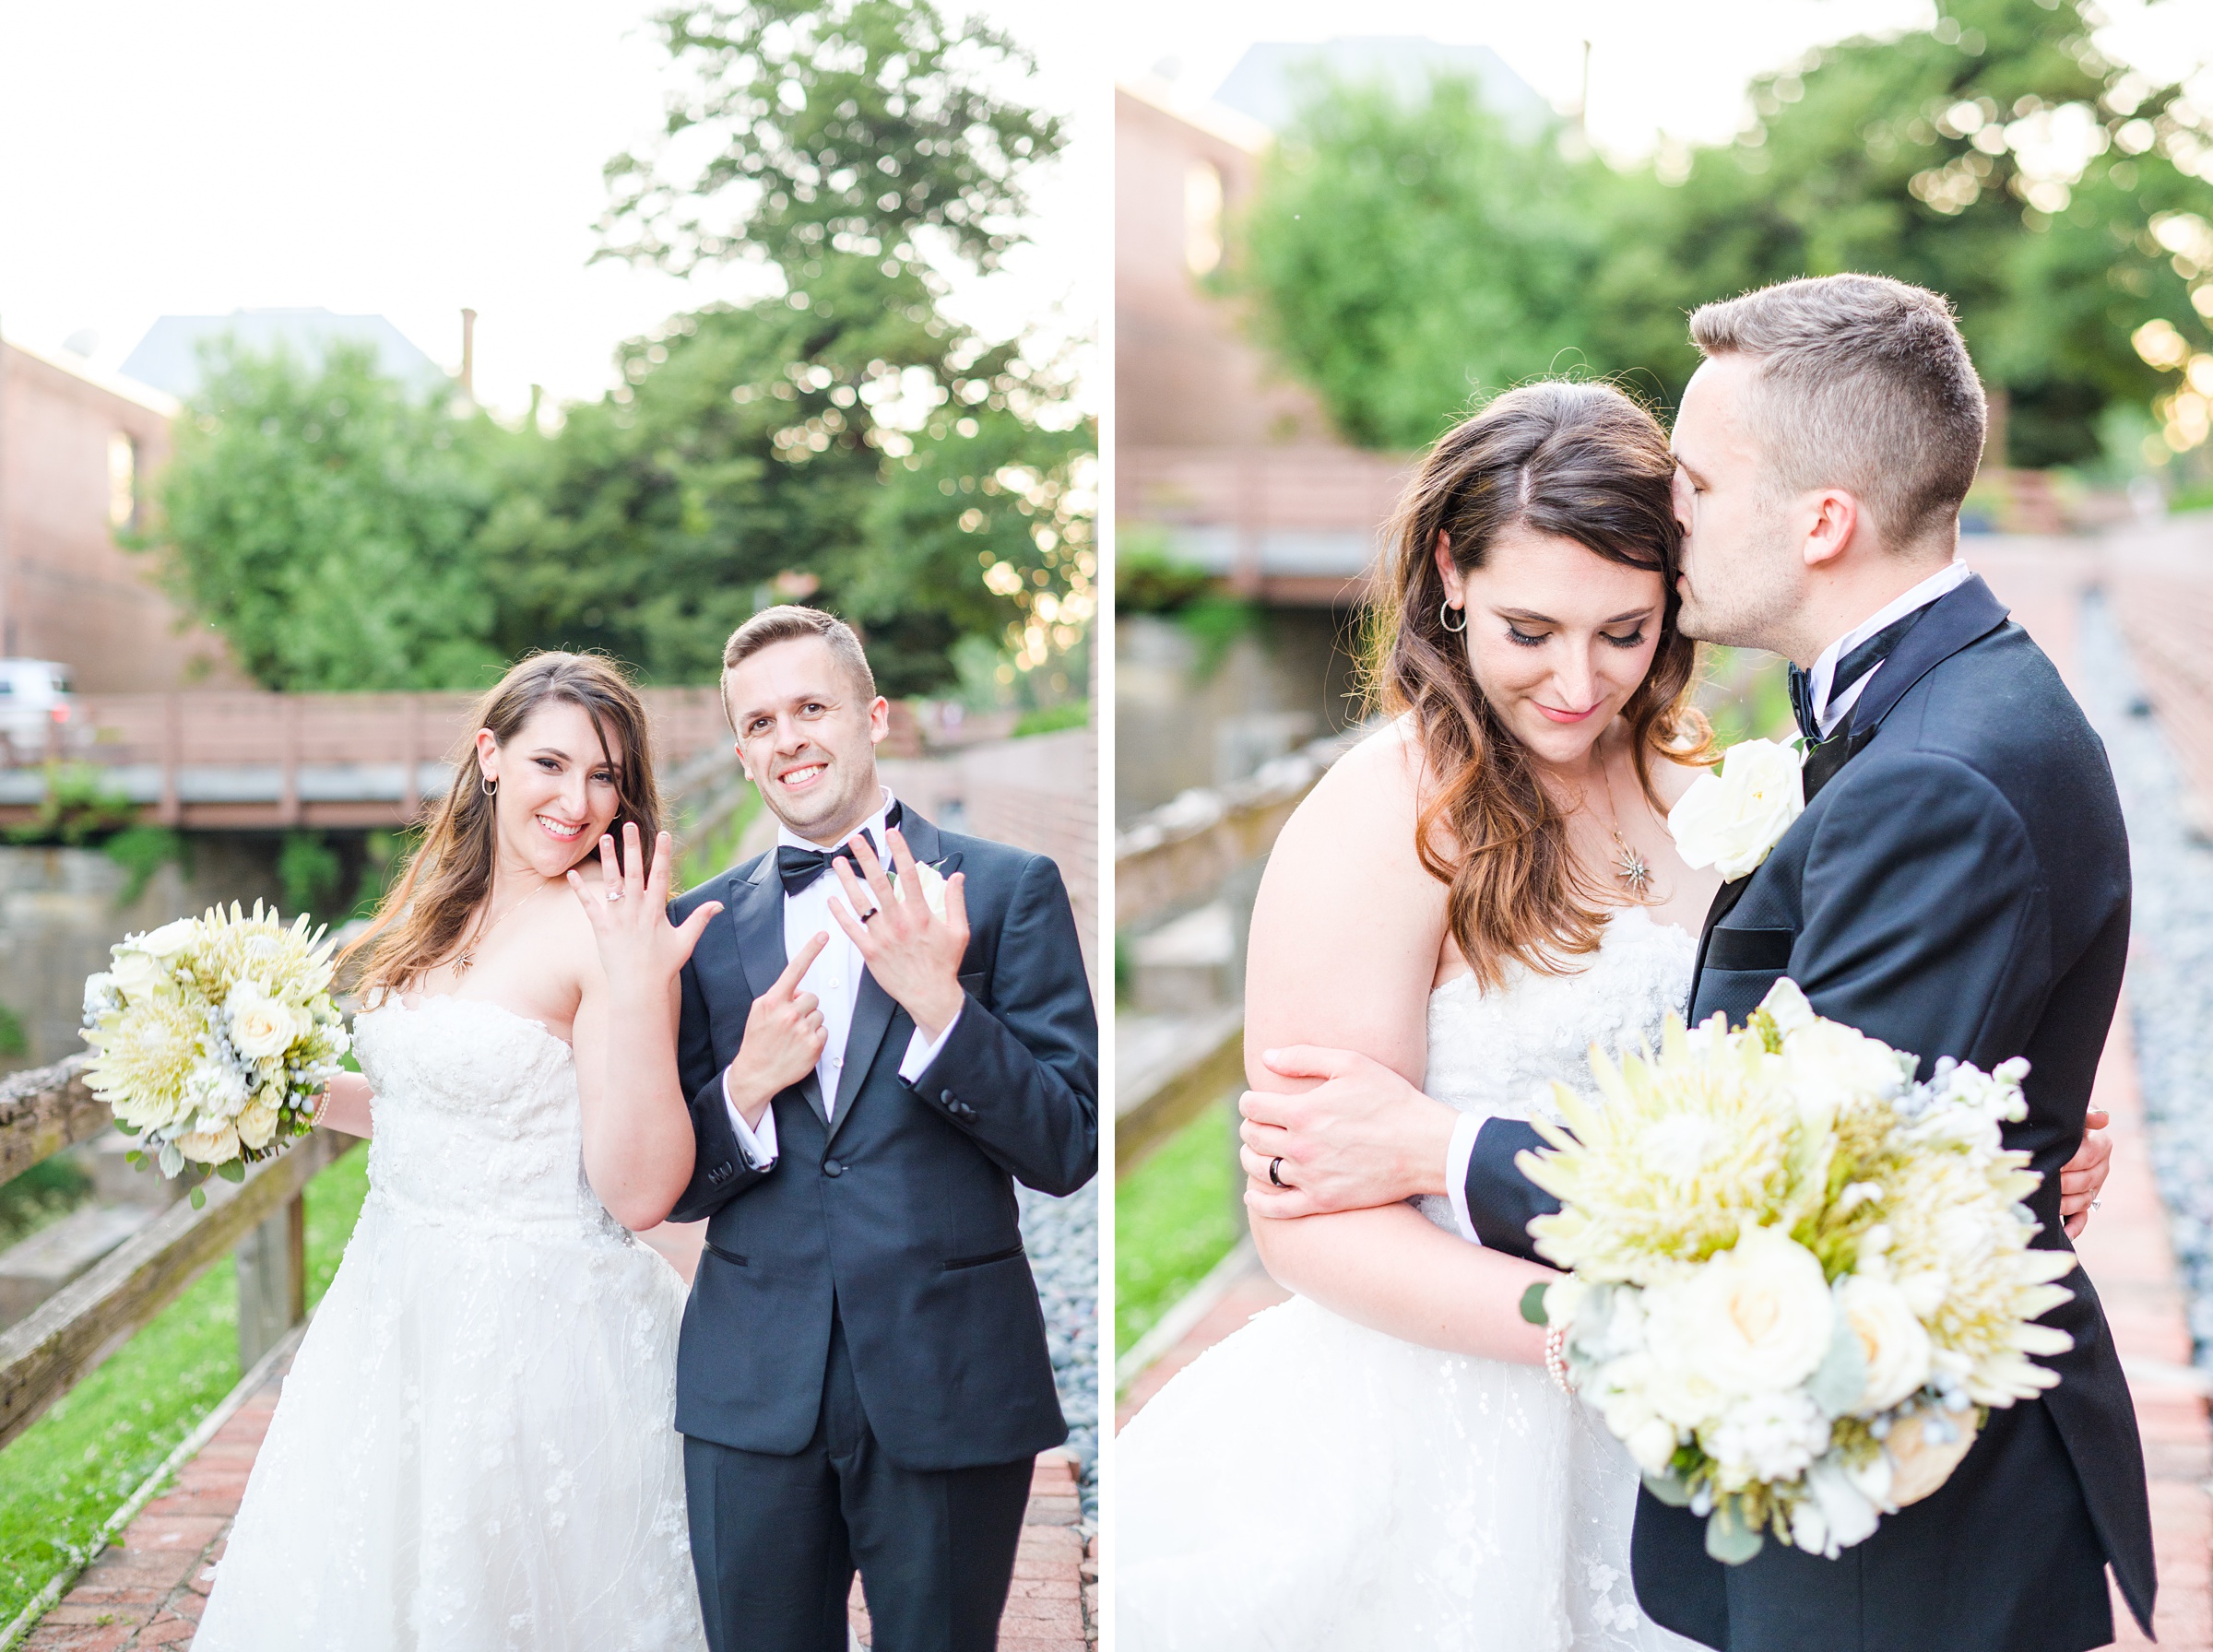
column 1558, row 637
column 556, row 787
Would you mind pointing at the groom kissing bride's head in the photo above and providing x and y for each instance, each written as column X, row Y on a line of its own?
column 1488, row 887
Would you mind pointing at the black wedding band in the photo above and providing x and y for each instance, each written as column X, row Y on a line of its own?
column 1274, row 1167
column 870, row 913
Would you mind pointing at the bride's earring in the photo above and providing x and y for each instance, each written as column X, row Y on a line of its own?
column 490, row 786
column 1445, row 610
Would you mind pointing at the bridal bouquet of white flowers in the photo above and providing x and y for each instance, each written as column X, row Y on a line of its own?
column 1799, row 1277
column 214, row 1036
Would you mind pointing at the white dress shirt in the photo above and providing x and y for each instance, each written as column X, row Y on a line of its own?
column 1828, row 718
column 835, row 979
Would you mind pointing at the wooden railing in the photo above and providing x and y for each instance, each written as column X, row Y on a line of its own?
column 261, row 1219
column 1179, row 854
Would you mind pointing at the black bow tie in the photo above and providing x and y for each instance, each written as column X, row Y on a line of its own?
column 1850, row 670
column 797, row 868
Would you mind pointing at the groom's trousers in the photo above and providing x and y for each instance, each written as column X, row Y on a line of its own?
column 776, row 1540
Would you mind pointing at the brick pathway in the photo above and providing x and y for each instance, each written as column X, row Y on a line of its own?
column 149, row 1590
column 2125, row 1249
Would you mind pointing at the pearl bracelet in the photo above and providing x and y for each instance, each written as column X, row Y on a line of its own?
column 1556, row 1357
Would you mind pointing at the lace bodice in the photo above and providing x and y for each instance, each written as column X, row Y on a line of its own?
column 1497, row 1054
column 476, row 1119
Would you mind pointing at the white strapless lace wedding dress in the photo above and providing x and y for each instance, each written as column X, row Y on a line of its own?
column 474, row 1451
column 1311, row 1485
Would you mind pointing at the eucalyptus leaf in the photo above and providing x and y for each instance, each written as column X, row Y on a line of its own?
column 1841, row 1379
column 199, row 1198
column 1532, row 1304
column 234, row 1170
column 172, row 1158
column 1728, row 1539
column 1668, row 1489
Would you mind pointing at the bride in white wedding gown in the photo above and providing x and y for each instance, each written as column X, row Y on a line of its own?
column 1382, row 1463
column 474, row 1450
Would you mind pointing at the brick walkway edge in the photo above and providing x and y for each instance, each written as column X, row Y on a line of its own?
column 147, row 1590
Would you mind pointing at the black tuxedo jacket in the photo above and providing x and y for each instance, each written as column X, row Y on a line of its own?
column 1958, row 885
column 894, row 1208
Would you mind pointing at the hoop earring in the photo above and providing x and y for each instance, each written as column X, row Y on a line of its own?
column 489, row 786
column 1445, row 610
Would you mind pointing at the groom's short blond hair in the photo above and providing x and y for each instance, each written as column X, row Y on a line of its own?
column 1864, row 384
column 788, row 622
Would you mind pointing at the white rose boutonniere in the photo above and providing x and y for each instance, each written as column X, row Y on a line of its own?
column 1731, row 820
column 933, row 883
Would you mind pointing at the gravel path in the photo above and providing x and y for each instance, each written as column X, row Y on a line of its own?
column 2171, row 953
column 1063, row 1237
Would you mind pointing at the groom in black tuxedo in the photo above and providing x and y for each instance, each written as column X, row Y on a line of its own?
column 863, row 1378
column 1957, row 885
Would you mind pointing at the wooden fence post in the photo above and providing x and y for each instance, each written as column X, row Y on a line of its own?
column 272, row 1281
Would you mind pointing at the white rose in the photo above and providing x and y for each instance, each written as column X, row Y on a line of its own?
column 262, row 1027
column 138, row 977
column 1830, row 1060
column 169, row 940
column 1731, row 820
column 1753, row 1319
column 217, row 1143
column 257, row 1124
column 933, row 883
column 1894, row 1342
column 1787, row 1007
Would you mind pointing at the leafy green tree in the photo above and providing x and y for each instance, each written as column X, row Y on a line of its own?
column 831, row 126
column 322, row 520
column 1409, row 260
column 1404, row 259
column 843, row 442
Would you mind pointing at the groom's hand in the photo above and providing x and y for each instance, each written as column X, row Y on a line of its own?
column 914, row 953
column 1362, row 1137
column 783, row 1040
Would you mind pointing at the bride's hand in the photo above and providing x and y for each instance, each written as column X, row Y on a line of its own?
column 629, row 913
column 2083, row 1175
column 1361, row 1137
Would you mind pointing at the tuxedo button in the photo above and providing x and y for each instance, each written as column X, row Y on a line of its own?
column 963, row 1110
column 948, row 1098
column 830, row 1168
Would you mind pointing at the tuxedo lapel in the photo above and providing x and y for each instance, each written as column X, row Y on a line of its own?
column 1967, row 613
column 872, row 1006
column 757, row 912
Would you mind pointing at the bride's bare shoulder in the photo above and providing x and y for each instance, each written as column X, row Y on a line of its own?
column 1672, row 775
column 1374, row 786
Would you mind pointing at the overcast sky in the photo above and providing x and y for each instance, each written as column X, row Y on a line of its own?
column 417, row 156
column 1677, row 66
column 410, row 158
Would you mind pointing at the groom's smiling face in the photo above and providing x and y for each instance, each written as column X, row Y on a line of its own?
column 806, row 734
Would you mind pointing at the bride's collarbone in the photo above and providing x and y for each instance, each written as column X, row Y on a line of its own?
column 531, row 971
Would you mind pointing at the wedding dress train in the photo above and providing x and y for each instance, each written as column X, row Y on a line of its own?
column 474, row 1450
column 1311, row 1485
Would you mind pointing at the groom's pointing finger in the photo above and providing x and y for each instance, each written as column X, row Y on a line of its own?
column 789, row 980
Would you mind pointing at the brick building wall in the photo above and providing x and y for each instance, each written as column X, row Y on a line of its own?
column 77, row 453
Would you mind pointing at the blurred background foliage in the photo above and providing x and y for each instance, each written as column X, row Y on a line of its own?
column 1406, row 260
column 841, row 442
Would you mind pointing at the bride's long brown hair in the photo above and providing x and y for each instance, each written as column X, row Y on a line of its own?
column 419, row 923
column 1577, row 459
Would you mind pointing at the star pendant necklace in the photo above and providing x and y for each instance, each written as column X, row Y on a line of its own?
column 467, row 960
column 1628, row 866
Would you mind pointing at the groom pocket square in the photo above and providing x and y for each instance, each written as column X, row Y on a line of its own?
column 1749, row 948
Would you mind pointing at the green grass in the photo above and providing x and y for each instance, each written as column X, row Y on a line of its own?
column 1174, row 1217
column 39, row 1198
column 74, row 1467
